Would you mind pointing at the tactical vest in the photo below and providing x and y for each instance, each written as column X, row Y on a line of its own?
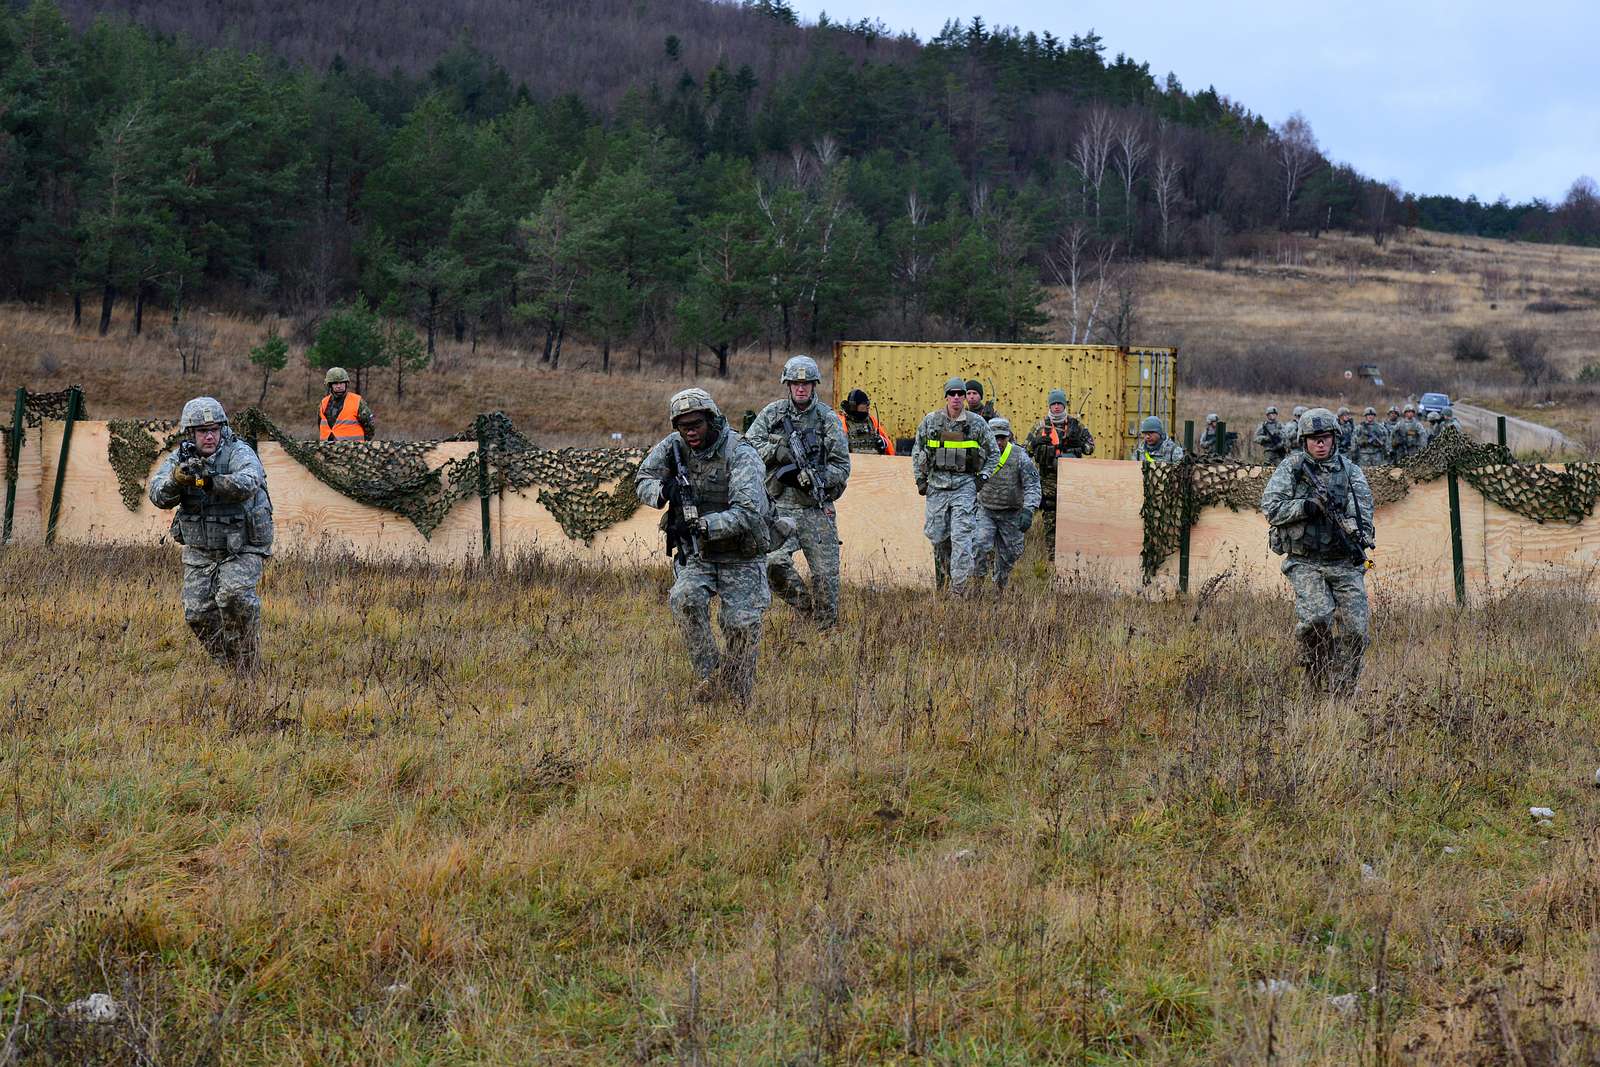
column 863, row 436
column 344, row 425
column 222, row 526
column 1273, row 432
column 1371, row 438
column 1003, row 490
column 956, row 453
column 711, row 480
column 1067, row 441
column 1316, row 536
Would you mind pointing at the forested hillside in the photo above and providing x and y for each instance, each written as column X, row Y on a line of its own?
column 650, row 177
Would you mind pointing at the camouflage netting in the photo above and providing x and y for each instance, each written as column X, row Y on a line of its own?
column 36, row 407
column 571, row 482
column 1175, row 494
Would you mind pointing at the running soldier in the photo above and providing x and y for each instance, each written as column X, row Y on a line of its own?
column 1006, row 506
column 710, row 480
column 954, row 455
column 1319, row 507
column 803, row 488
column 224, row 523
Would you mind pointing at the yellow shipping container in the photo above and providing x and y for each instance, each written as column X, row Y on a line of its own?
column 1114, row 388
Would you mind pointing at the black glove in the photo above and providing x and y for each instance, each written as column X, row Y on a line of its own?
column 669, row 493
column 1027, row 521
column 922, row 488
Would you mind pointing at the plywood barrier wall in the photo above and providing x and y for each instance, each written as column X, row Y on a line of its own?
column 1098, row 531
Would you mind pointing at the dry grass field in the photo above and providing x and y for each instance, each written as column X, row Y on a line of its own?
column 1278, row 322
column 470, row 816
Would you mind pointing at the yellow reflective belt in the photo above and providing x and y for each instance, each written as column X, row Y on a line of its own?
column 952, row 444
column 1003, row 457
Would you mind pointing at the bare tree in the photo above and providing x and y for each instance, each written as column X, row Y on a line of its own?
column 1382, row 204
column 915, row 262
column 1132, row 150
column 1083, row 268
column 1297, row 157
column 1092, row 151
column 1120, row 317
column 192, row 340
column 1164, row 184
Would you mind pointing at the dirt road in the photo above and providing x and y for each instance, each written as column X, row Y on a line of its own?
column 1521, row 435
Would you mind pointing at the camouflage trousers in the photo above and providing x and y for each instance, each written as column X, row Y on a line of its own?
column 998, row 543
column 1330, row 607
column 1366, row 459
column 950, row 521
column 742, row 585
column 816, row 533
column 221, row 604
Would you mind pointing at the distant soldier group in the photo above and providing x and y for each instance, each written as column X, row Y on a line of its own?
column 1368, row 443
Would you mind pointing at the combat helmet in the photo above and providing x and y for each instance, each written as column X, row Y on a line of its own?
column 1211, row 416
column 1343, row 410
column 1370, row 410
column 202, row 411
column 801, row 369
column 335, row 374
column 692, row 400
column 1272, row 409
column 1317, row 421
column 1152, row 424
column 999, row 425
column 955, row 385
column 1299, row 409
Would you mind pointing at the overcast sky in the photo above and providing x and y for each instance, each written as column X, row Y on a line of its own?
column 1447, row 96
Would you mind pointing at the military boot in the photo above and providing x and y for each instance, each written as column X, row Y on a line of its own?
column 738, row 673
column 1316, row 652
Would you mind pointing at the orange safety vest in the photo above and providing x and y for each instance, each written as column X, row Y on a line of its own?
column 346, row 425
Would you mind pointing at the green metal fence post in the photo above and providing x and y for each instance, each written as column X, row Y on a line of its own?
column 483, row 489
column 1457, row 562
column 1185, row 511
column 1222, row 438
column 1500, row 430
column 74, row 405
column 16, row 459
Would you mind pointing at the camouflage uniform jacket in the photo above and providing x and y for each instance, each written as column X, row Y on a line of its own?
column 1168, row 451
column 230, row 515
column 1270, row 436
column 737, row 532
column 1408, row 438
column 1299, row 528
column 821, row 430
column 969, row 425
column 1372, row 442
column 1347, row 437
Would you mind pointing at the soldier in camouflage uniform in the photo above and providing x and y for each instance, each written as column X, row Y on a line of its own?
column 953, row 456
column 1291, row 431
column 1269, row 435
column 1057, row 435
column 1154, row 445
column 862, row 429
column 1006, row 506
column 975, row 401
column 789, row 485
column 224, row 523
column 1208, row 436
column 1408, row 437
column 1371, row 441
column 722, row 549
column 1449, row 421
column 1346, row 442
column 1319, row 507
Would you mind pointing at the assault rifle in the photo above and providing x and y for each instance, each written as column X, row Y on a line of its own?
column 1324, row 503
column 801, row 462
column 190, row 460
column 683, row 511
